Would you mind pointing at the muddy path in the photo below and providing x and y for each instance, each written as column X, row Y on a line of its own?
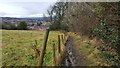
column 72, row 56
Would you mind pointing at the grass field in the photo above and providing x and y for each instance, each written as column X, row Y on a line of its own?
column 17, row 47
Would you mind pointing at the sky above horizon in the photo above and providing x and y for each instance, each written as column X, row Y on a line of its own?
column 24, row 9
column 28, row 8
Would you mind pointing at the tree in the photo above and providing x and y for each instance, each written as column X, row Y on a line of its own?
column 13, row 27
column 22, row 25
column 39, row 24
column 57, row 13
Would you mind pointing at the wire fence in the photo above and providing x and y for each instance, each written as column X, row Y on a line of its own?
column 57, row 58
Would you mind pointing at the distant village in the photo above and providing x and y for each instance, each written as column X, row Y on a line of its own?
column 32, row 23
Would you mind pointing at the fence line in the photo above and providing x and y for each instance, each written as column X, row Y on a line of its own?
column 56, row 59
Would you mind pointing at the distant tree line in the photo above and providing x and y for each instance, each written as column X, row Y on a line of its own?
column 21, row 26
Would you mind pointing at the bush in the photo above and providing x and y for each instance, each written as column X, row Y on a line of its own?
column 54, row 26
column 13, row 27
column 22, row 25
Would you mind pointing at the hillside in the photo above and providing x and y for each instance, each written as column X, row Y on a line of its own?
column 19, row 46
column 97, row 25
column 82, row 34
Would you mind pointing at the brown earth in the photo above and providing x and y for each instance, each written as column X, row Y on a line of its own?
column 72, row 57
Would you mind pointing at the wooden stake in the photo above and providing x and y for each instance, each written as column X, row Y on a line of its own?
column 40, row 63
column 54, row 54
column 59, row 44
column 62, row 39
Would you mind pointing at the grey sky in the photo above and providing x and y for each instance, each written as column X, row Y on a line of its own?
column 29, row 8
column 24, row 9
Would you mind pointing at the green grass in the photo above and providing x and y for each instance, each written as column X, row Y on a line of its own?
column 17, row 47
column 85, row 48
column 94, row 56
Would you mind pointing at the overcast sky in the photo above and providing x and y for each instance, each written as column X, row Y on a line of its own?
column 24, row 9
column 27, row 8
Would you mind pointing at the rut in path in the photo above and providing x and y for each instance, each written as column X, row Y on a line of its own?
column 72, row 56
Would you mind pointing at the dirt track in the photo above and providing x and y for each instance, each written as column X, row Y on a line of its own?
column 72, row 57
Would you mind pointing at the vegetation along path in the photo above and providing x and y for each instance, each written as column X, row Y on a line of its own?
column 72, row 57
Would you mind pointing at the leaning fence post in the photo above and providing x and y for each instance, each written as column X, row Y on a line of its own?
column 44, row 48
column 59, row 44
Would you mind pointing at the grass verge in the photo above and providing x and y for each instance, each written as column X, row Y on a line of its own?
column 95, row 54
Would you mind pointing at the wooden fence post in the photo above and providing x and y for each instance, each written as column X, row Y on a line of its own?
column 54, row 55
column 40, row 63
column 62, row 38
column 59, row 44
